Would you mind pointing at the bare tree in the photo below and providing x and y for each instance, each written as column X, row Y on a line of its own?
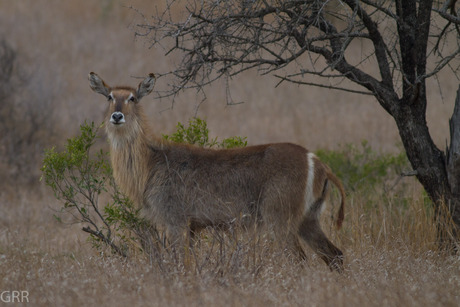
column 293, row 39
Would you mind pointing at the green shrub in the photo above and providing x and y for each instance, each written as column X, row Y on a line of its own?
column 361, row 168
column 371, row 178
column 197, row 133
column 78, row 178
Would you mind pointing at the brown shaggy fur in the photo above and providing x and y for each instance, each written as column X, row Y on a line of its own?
column 182, row 187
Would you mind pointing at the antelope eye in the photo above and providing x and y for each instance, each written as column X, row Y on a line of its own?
column 110, row 97
column 132, row 99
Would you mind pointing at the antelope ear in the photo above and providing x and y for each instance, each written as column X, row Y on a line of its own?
column 98, row 85
column 146, row 86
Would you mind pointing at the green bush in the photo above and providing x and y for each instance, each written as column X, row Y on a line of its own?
column 78, row 178
column 361, row 168
column 372, row 178
column 197, row 133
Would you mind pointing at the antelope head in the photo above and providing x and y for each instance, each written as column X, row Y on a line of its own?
column 123, row 113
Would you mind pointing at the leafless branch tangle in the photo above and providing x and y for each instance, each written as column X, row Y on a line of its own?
column 224, row 38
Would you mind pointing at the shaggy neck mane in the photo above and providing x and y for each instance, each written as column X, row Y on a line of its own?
column 131, row 154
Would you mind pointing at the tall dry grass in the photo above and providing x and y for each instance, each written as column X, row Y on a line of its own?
column 389, row 242
column 391, row 260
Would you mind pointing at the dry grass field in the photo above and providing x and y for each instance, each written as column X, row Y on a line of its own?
column 389, row 244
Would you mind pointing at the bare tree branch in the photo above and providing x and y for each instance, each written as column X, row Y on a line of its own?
column 285, row 78
column 223, row 39
column 377, row 39
column 453, row 15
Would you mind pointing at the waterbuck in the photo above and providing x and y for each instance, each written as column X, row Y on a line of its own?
column 182, row 187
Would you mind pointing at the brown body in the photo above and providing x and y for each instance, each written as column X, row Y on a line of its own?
column 183, row 187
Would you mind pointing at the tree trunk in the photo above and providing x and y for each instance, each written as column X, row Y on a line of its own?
column 438, row 174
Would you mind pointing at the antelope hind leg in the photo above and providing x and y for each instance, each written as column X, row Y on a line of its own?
column 311, row 232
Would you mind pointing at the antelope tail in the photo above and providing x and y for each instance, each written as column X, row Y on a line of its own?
column 336, row 181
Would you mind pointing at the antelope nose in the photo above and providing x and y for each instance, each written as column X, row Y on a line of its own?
column 117, row 118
